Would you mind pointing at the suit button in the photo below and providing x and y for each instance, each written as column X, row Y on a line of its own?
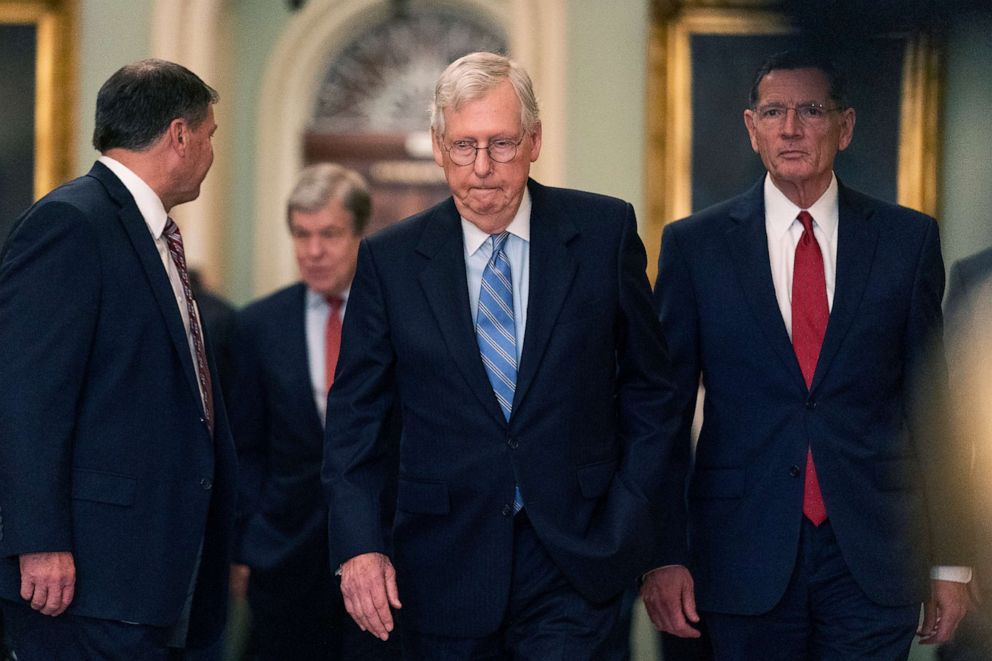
column 206, row 483
column 810, row 404
column 794, row 471
column 512, row 442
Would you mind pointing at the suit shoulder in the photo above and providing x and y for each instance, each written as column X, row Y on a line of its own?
column 886, row 212
column 409, row 228
column 273, row 307
column 710, row 219
column 575, row 201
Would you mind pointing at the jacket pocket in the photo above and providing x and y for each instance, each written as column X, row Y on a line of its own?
column 101, row 487
column 423, row 497
column 717, row 483
column 594, row 479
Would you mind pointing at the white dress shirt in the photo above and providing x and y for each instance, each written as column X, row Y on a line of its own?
column 784, row 231
column 316, row 310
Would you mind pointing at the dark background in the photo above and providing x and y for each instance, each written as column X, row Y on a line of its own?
column 18, row 47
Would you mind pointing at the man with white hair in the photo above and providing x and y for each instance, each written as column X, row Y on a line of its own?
column 512, row 323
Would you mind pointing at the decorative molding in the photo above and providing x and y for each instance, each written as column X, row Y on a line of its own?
column 299, row 60
column 185, row 31
column 56, row 84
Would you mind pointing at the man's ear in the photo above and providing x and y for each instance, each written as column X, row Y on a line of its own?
column 436, row 149
column 178, row 133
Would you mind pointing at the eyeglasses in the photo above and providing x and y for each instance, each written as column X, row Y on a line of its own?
column 464, row 152
column 809, row 114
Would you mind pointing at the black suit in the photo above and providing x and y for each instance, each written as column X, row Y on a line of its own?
column 296, row 602
column 885, row 469
column 586, row 442
column 105, row 451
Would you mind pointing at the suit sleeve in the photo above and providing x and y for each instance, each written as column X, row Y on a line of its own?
column 646, row 395
column 49, row 298
column 676, row 308
column 356, row 465
column 248, row 414
column 943, row 457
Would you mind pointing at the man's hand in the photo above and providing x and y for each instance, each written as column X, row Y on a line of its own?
column 48, row 581
column 670, row 599
column 368, row 583
column 239, row 581
column 948, row 603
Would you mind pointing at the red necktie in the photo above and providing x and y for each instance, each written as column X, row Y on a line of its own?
column 810, row 312
column 175, row 241
column 332, row 338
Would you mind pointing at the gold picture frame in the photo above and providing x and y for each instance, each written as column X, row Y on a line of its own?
column 55, row 84
column 670, row 148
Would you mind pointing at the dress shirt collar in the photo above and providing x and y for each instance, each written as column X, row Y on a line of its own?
column 780, row 211
column 519, row 227
column 145, row 198
column 315, row 300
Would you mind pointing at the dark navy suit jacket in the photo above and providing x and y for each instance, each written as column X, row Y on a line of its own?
column 587, row 440
column 104, row 451
column 886, row 468
column 279, row 436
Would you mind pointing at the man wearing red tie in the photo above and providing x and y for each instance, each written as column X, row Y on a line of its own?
column 819, row 506
column 285, row 352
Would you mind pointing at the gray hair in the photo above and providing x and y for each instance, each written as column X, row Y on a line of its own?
column 318, row 184
column 471, row 76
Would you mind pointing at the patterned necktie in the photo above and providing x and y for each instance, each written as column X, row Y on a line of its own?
column 810, row 312
column 332, row 338
column 495, row 331
column 175, row 241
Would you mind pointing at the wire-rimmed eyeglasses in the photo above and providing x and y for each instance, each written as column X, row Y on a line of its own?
column 810, row 114
column 500, row 150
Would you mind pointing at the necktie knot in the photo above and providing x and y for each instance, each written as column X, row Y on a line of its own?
column 499, row 240
column 334, row 303
column 807, row 221
column 171, row 230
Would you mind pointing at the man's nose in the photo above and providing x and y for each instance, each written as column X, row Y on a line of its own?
column 314, row 246
column 791, row 124
column 483, row 163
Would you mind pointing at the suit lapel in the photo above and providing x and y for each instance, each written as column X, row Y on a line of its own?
column 144, row 246
column 857, row 238
column 445, row 287
column 552, row 269
column 747, row 242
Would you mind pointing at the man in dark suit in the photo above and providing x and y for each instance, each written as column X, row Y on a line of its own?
column 968, row 335
column 512, row 324
column 820, row 494
column 286, row 350
column 116, row 467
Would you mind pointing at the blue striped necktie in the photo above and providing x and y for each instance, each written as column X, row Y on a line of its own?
column 495, row 331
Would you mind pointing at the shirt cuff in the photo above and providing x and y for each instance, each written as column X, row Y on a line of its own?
column 951, row 573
